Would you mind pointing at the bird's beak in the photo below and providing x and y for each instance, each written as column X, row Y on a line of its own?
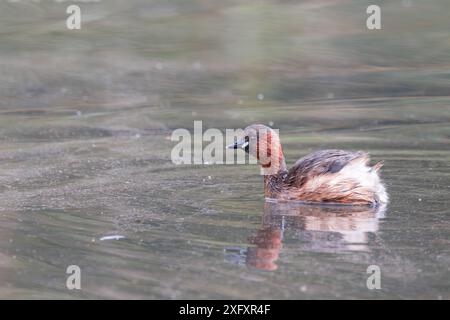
column 240, row 144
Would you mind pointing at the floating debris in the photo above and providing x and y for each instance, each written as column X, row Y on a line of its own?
column 114, row 237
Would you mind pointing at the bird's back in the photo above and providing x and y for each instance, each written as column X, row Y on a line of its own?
column 336, row 176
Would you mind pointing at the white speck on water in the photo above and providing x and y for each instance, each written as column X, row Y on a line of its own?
column 159, row 66
column 260, row 96
column 303, row 288
column 209, row 177
column 420, row 199
column 79, row 113
column 114, row 237
column 271, row 123
column 137, row 136
column 197, row 66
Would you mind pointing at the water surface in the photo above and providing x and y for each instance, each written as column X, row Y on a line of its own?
column 85, row 125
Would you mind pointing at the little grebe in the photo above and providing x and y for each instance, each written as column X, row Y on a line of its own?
column 330, row 176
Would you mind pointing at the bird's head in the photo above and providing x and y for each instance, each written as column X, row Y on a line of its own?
column 263, row 143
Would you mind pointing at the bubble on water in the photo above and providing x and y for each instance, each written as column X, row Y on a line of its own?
column 260, row 96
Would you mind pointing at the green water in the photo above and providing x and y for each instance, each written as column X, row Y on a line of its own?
column 85, row 124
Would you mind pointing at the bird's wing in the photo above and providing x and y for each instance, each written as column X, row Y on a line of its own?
column 319, row 163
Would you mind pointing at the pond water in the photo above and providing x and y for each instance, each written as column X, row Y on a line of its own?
column 85, row 123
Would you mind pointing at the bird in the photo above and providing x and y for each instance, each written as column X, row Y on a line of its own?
column 327, row 176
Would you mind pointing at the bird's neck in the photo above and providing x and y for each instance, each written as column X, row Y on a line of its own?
column 274, row 176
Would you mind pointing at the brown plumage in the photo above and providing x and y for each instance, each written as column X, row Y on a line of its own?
column 330, row 176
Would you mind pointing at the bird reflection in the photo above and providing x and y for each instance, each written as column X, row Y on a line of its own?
column 316, row 227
